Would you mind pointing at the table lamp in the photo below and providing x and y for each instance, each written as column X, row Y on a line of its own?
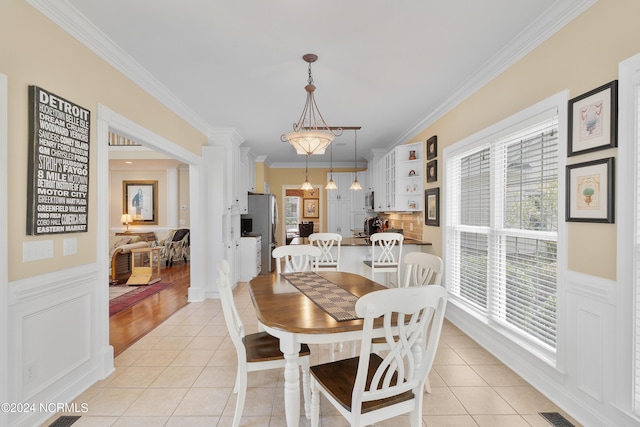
column 126, row 219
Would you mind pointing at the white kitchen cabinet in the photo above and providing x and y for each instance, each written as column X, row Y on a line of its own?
column 250, row 253
column 377, row 178
column 404, row 179
column 246, row 178
column 339, row 217
column 343, row 180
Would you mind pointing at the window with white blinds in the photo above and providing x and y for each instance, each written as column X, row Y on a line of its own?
column 501, row 228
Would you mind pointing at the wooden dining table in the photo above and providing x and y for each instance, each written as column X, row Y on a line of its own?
column 288, row 314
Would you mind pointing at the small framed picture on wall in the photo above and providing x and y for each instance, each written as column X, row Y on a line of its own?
column 432, row 206
column 432, row 171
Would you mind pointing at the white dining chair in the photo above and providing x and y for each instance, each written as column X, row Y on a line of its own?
column 329, row 244
column 300, row 258
column 256, row 352
column 386, row 254
column 296, row 258
column 371, row 388
column 422, row 269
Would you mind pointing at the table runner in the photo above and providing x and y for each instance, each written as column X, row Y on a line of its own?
column 337, row 302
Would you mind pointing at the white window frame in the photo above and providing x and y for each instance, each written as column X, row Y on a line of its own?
column 627, row 330
column 556, row 104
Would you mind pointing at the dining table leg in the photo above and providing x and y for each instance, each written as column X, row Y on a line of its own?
column 290, row 349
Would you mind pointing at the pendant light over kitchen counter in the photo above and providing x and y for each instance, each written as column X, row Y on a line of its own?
column 355, row 185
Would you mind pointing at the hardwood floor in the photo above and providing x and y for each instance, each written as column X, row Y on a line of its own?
column 131, row 324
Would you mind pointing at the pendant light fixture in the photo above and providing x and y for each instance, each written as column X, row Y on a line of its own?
column 306, row 185
column 331, row 185
column 355, row 185
column 311, row 134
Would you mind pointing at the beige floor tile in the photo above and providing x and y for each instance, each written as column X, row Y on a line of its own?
column 161, row 330
column 216, row 376
column 477, row 356
column 177, row 377
column 203, row 402
column 193, row 358
column 199, row 320
column 482, row 400
column 500, row 421
column 193, row 422
column 264, row 421
column 145, row 343
column 498, row 375
column 172, row 343
column 459, row 341
column 435, row 380
column 441, row 401
column 213, row 331
column 526, row 399
column 447, row 356
column 184, row 331
column 128, row 357
column 224, row 357
column 113, row 401
column 157, row 358
column 137, row 377
column 203, row 342
column 89, row 421
column 148, row 421
column 156, row 402
column 459, row 375
column 258, row 403
column 449, row 421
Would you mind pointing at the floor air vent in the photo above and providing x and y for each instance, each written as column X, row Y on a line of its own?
column 555, row 419
column 64, row 421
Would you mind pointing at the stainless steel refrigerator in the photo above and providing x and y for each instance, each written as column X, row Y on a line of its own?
column 263, row 211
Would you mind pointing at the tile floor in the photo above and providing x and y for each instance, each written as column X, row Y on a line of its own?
column 183, row 372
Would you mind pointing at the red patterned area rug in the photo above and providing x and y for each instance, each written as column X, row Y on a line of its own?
column 134, row 296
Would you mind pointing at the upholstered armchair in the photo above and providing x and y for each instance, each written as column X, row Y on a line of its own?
column 175, row 246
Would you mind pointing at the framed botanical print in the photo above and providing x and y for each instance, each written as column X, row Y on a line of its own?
column 590, row 191
column 432, row 206
column 310, row 208
column 593, row 120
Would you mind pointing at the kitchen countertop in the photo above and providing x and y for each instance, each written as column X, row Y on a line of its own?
column 358, row 241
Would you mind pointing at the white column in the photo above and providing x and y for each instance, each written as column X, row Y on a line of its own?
column 173, row 208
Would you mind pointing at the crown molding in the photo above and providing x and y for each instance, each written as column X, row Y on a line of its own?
column 556, row 17
column 79, row 27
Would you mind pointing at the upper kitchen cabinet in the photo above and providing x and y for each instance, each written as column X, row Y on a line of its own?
column 404, row 179
column 247, row 177
column 376, row 178
column 343, row 180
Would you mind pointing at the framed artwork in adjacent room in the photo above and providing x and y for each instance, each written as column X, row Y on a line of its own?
column 593, row 120
column 140, row 200
column 432, row 206
column 590, row 191
column 310, row 208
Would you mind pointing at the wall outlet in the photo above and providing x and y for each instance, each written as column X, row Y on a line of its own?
column 410, row 226
column 69, row 246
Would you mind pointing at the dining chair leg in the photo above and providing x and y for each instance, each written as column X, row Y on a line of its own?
column 306, row 388
column 315, row 404
column 241, row 390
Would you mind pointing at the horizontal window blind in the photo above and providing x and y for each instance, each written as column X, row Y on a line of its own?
column 637, row 256
column 501, row 229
